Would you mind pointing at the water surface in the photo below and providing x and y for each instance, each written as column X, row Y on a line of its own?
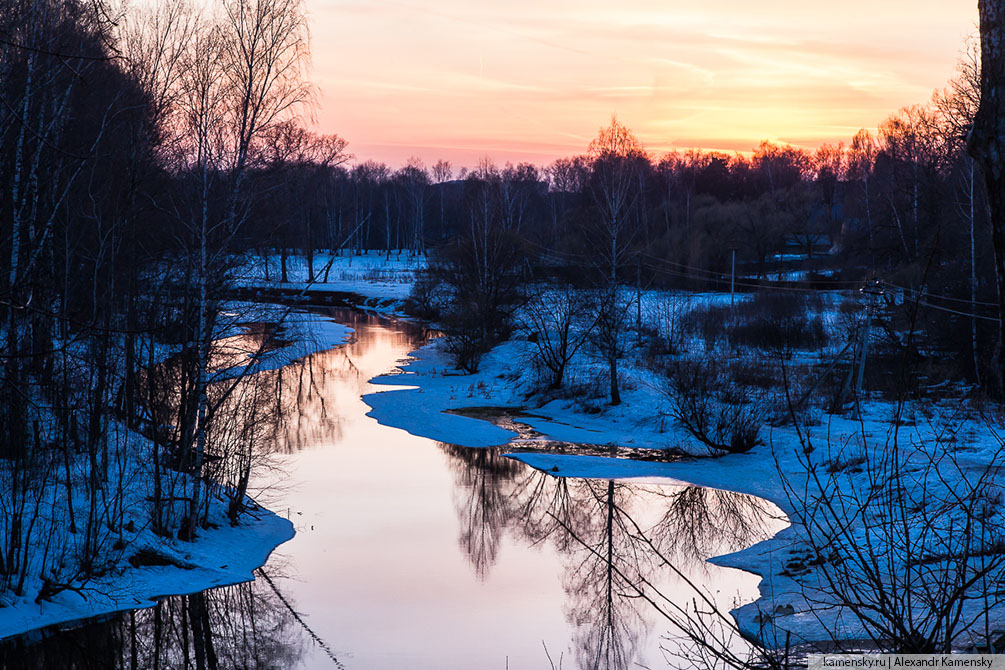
column 415, row 554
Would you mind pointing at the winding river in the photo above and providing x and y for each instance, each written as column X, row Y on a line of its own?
column 411, row 553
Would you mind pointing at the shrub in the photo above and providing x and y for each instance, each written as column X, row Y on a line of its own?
column 707, row 322
column 711, row 407
column 464, row 342
column 667, row 316
column 481, row 284
column 783, row 336
column 779, row 322
column 427, row 298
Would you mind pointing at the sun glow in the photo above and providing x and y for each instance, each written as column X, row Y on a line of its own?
column 533, row 81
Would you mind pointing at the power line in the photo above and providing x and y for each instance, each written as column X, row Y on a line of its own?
column 954, row 311
column 684, row 271
column 719, row 279
column 926, row 294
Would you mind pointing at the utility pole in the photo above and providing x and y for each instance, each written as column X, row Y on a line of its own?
column 732, row 279
column 872, row 291
column 638, row 298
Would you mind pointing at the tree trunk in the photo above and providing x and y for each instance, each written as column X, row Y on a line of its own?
column 613, row 365
column 987, row 144
column 973, row 280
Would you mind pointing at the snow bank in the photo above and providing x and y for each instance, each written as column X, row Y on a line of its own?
column 219, row 557
column 148, row 566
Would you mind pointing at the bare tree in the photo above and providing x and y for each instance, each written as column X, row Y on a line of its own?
column 552, row 319
column 299, row 161
column 242, row 75
column 414, row 179
column 611, row 309
column 616, row 157
column 443, row 171
column 861, row 160
column 903, row 552
column 957, row 105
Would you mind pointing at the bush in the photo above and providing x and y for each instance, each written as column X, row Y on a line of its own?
column 779, row 322
column 711, row 407
column 708, row 323
column 783, row 336
column 465, row 341
column 428, row 297
column 667, row 316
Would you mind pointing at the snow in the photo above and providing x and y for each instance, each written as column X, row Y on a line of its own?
column 384, row 280
column 420, row 410
column 220, row 555
column 407, row 409
column 506, row 379
column 421, row 397
column 596, row 467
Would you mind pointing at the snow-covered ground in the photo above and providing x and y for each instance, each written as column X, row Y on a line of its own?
column 938, row 447
column 221, row 555
column 791, row 600
column 773, row 471
column 301, row 332
column 376, row 276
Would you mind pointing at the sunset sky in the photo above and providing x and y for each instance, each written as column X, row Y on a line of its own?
column 532, row 80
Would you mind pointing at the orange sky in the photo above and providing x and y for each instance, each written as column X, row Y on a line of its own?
column 532, row 80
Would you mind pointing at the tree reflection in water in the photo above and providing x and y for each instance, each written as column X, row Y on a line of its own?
column 605, row 566
column 241, row 626
column 480, row 499
column 294, row 407
column 621, row 543
column 700, row 522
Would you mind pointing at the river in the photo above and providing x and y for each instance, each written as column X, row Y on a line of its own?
column 411, row 553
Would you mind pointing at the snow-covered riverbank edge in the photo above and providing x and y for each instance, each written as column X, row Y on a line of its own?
column 378, row 282
column 435, row 390
column 144, row 567
column 221, row 556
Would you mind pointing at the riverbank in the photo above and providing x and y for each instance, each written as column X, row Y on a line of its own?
column 945, row 448
column 379, row 282
column 151, row 567
column 134, row 566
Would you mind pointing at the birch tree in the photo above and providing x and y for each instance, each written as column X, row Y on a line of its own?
column 616, row 157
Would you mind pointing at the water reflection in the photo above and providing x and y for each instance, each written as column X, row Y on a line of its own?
column 305, row 401
column 481, row 501
column 700, row 522
column 622, row 544
column 241, row 626
column 415, row 554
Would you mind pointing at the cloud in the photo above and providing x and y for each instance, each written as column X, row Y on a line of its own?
column 541, row 76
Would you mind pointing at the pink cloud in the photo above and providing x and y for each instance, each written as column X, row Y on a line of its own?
column 533, row 80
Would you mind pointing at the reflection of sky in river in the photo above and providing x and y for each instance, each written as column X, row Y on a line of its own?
column 415, row 554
